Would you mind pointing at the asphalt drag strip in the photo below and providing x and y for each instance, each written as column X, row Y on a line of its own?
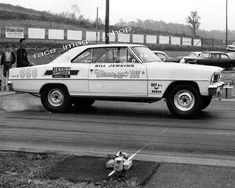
column 108, row 123
column 13, row 102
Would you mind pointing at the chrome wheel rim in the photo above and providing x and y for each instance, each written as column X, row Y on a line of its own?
column 184, row 100
column 55, row 97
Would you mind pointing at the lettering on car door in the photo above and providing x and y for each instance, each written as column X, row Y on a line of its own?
column 115, row 71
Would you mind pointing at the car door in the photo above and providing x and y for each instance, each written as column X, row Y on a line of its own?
column 78, row 83
column 212, row 59
column 216, row 59
column 115, row 71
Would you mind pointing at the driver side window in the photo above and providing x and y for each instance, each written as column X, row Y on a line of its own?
column 104, row 55
column 113, row 55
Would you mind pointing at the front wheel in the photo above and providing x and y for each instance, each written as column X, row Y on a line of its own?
column 55, row 98
column 184, row 100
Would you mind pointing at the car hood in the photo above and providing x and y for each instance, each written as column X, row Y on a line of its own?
column 174, row 71
column 173, row 65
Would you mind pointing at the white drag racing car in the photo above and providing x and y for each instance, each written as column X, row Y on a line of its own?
column 118, row 72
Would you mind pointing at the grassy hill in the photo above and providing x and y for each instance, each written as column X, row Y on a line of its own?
column 18, row 9
column 37, row 23
column 20, row 16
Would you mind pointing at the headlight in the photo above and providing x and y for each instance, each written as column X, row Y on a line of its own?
column 216, row 77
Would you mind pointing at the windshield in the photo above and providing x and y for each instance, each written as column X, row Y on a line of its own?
column 145, row 54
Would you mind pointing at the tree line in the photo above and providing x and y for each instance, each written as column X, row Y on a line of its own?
column 148, row 26
column 191, row 29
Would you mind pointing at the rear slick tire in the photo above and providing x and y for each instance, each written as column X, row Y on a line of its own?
column 55, row 98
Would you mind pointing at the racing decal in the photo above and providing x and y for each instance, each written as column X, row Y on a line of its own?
column 61, row 72
column 102, row 73
column 100, row 65
column 34, row 72
column 121, row 65
column 119, row 75
column 156, row 87
column 28, row 73
column 135, row 74
column 22, row 72
column 14, row 76
column 115, row 65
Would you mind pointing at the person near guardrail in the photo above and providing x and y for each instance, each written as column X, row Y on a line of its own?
column 22, row 59
column 7, row 60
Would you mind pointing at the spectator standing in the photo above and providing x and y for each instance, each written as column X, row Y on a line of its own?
column 7, row 60
column 22, row 59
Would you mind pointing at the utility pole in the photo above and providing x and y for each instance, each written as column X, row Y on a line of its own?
column 107, row 23
column 226, row 41
column 96, row 27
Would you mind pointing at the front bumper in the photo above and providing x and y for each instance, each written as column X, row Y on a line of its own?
column 215, row 88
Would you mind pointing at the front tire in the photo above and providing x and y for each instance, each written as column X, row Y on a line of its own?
column 184, row 100
column 55, row 98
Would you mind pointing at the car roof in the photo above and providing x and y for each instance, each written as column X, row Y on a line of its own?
column 84, row 47
column 73, row 51
column 113, row 45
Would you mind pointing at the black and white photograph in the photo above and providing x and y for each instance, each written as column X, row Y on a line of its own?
column 117, row 94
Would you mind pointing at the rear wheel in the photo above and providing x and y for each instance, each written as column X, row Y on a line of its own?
column 55, row 98
column 184, row 100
